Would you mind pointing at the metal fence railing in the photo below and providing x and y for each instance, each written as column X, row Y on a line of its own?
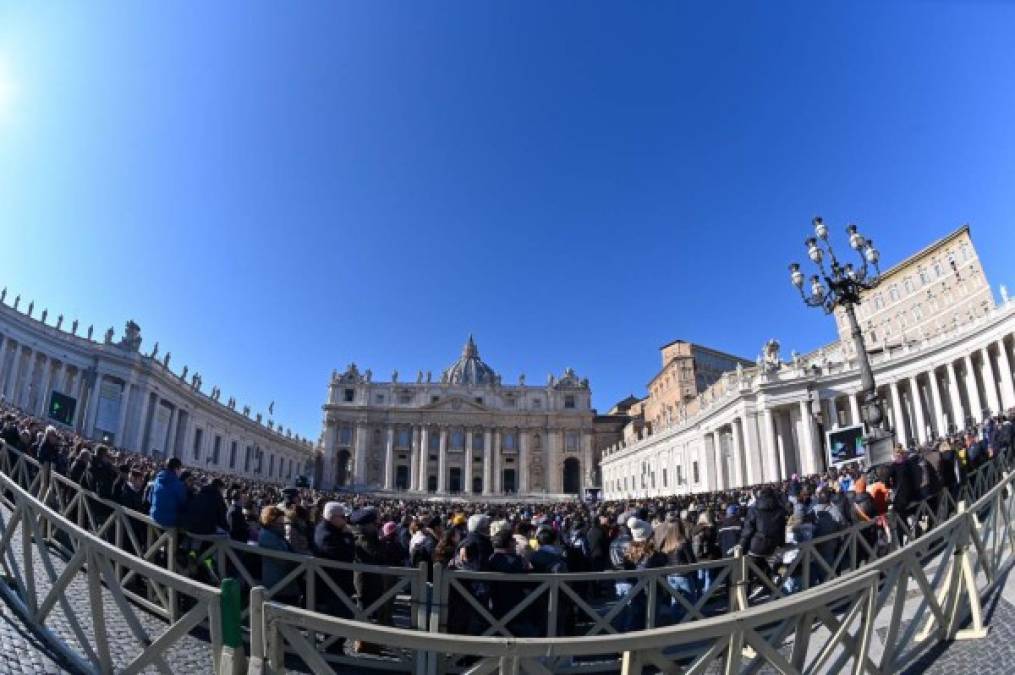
column 38, row 580
column 936, row 582
column 560, row 606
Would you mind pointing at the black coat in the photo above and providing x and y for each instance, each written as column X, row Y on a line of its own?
column 99, row 478
column 765, row 527
column 237, row 521
column 905, row 486
column 729, row 534
column 132, row 499
column 205, row 511
column 599, row 546
column 340, row 545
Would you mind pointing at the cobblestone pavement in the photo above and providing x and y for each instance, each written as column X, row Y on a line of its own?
column 993, row 654
column 20, row 651
column 189, row 655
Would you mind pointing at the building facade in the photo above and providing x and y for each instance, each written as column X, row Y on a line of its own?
column 768, row 421
column 687, row 369
column 110, row 391
column 929, row 293
column 466, row 433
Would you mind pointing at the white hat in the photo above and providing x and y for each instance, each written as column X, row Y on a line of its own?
column 640, row 530
column 332, row 509
column 479, row 522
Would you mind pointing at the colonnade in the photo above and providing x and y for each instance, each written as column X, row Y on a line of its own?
column 144, row 411
column 769, row 432
column 471, row 460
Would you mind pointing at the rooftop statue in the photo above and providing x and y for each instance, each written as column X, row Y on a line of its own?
column 17, row 300
column 45, row 313
column 109, row 336
column 74, row 327
column 59, row 321
column 91, row 331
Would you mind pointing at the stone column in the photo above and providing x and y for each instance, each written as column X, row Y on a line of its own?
column 467, row 469
column 708, row 461
column 487, row 462
column 360, row 458
column 773, row 471
column 523, row 461
column 60, row 377
column 1004, row 365
column 93, row 406
column 11, row 355
column 854, row 410
column 738, row 457
column 142, row 423
column 497, row 473
column 424, row 458
column 898, row 415
column 167, row 441
column 747, row 440
column 389, row 459
column 18, row 390
column 121, row 425
column 809, row 448
column 989, row 385
column 442, row 463
column 920, row 421
column 414, row 459
column 554, row 468
column 935, row 395
column 972, row 391
column 958, row 412
column 45, row 382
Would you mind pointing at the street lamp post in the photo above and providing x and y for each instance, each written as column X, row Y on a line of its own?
column 839, row 285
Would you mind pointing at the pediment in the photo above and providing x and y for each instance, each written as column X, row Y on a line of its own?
column 455, row 404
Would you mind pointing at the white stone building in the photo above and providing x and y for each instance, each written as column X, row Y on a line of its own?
column 110, row 390
column 464, row 433
column 768, row 421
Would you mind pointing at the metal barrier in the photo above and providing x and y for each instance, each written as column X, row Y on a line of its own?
column 96, row 560
column 744, row 640
column 825, row 629
column 546, row 599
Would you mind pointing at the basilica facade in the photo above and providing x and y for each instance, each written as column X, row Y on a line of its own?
column 465, row 432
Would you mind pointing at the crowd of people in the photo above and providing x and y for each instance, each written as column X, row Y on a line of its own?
column 766, row 522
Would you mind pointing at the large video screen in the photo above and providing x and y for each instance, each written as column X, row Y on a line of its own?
column 61, row 408
column 845, row 445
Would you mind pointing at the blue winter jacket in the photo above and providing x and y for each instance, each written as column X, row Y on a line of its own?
column 169, row 496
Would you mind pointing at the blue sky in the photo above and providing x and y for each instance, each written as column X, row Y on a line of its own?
column 274, row 190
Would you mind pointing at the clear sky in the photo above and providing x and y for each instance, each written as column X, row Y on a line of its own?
column 273, row 190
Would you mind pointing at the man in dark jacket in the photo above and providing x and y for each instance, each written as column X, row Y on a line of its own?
column 334, row 541
column 100, row 475
column 236, row 519
column 729, row 530
column 205, row 513
column 369, row 587
column 764, row 529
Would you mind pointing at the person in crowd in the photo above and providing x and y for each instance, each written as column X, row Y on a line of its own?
column 703, row 545
column 764, row 528
column 827, row 520
column 729, row 531
column 274, row 570
column 671, row 542
column 205, row 512
column 335, row 542
column 169, row 494
column 236, row 519
column 298, row 532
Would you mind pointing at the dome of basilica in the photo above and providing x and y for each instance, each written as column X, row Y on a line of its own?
column 469, row 368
